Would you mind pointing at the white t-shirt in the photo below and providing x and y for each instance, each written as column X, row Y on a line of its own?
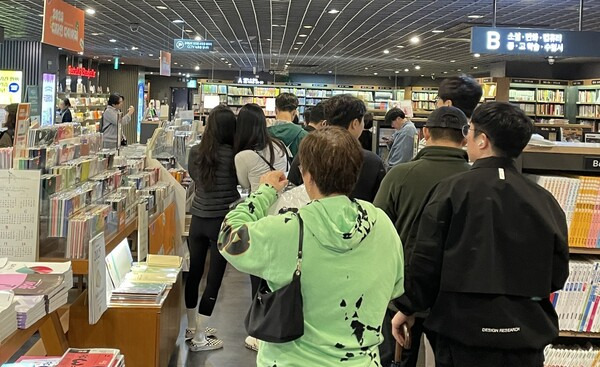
column 250, row 166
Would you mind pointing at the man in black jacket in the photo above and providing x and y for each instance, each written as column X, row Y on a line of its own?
column 348, row 112
column 490, row 247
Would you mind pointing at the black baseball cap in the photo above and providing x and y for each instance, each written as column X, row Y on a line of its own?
column 447, row 117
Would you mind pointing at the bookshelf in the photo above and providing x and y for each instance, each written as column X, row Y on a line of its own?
column 587, row 110
column 423, row 100
column 540, row 99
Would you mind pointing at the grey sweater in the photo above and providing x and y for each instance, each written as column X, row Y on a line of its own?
column 214, row 202
column 109, row 127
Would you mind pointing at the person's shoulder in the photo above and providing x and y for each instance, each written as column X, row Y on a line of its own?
column 369, row 156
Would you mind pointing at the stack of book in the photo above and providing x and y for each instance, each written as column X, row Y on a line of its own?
column 562, row 356
column 29, row 361
column 8, row 315
column 578, row 302
column 92, row 358
column 138, row 293
column 30, row 309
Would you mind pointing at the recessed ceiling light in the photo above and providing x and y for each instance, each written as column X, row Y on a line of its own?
column 80, row 53
column 406, row 70
column 222, row 58
column 333, row 11
column 417, row 67
column 422, row 75
column 122, row 62
column 366, row 68
column 95, row 57
column 60, row 48
column 134, row 48
column 179, row 73
column 414, row 40
column 437, row 31
column 41, row 15
column 299, row 43
column 97, row 34
column 302, row 35
column 476, row 55
column 397, row 71
column 452, row 60
column 178, row 21
column 197, row 38
column 175, row 63
column 400, row 46
column 189, row 31
column 274, row 54
column 161, row 7
column 475, row 67
column 109, row 60
column 268, row 39
column 336, row 56
column 475, row 16
column 458, row 69
column 308, row 26
column 90, row 11
column 445, row 72
column 151, row 73
column 112, row 40
column 150, row 55
column 330, row 72
column 187, row 75
column 375, row 73
column 295, row 48
column 289, row 59
column 386, row 51
column 287, row 63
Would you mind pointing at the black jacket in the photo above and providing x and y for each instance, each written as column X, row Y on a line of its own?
column 214, row 202
column 490, row 248
column 66, row 116
column 369, row 179
column 366, row 140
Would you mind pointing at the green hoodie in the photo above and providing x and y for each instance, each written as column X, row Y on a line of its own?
column 289, row 133
column 352, row 267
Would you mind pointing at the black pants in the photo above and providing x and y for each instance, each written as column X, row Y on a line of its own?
column 409, row 356
column 203, row 236
column 449, row 353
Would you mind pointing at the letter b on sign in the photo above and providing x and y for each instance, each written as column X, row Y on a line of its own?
column 492, row 40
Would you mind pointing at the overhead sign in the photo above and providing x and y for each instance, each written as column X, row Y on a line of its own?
column 165, row 63
column 10, row 86
column 88, row 73
column 63, row 25
column 525, row 41
column 250, row 81
column 192, row 45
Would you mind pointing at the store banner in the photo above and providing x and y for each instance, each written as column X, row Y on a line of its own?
column 529, row 41
column 63, row 25
column 48, row 99
column 180, row 44
column 141, row 105
column 165, row 63
column 10, row 86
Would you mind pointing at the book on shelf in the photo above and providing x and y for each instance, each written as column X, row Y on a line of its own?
column 550, row 110
column 572, row 355
column 588, row 111
column 521, row 95
column 8, row 315
column 588, row 96
column 99, row 357
column 551, row 95
column 165, row 261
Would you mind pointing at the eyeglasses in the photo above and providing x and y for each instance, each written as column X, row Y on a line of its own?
column 467, row 128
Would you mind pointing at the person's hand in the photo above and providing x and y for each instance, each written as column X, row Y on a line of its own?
column 276, row 179
column 130, row 110
column 397, row 322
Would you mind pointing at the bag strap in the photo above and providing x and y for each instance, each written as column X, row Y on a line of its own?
column 300, row 244
column 265, row 160
column 102, row 127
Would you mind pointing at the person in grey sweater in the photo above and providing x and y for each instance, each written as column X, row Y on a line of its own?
column 109, row 125
column 211, row 166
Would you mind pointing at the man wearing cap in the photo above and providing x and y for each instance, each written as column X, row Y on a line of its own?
column 403, row 192
column 402, row 143
column 7, row 132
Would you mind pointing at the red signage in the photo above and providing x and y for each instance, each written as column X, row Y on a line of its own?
column 88, row 73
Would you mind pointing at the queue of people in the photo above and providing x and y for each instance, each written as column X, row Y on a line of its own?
column 435, row 244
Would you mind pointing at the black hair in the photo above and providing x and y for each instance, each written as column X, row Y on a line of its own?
column 220, row 130
column 296, row 120
column 286, row 102
column 442, row 133
column 115, row 99
column 507, row 126
column 67, row 102
column 317, row 113
column 306, row 115
column 368, row 121
column 464, row 92
column 342, row 109
column 251, row 132
column 393, row 114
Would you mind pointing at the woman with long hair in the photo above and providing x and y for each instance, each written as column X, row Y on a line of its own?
column 256, row 154
column 212, row 168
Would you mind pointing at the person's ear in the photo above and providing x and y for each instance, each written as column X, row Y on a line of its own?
column 447, row 103
column 426, row 133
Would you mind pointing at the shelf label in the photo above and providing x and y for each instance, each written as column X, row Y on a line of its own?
column 591, row 163
column 525, row 81
column 595, row 82
column 578, row 82
column 345, row 86
column 554, row 82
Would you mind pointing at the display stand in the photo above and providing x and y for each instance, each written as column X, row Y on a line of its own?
column 51, row 333
column 146, row 335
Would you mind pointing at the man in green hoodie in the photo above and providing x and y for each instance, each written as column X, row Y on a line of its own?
column 344, row 295
column 286, row 108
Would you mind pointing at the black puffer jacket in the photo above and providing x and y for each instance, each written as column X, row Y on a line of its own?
column 214, row 202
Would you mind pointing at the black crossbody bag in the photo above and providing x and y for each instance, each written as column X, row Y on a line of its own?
column 277, row 317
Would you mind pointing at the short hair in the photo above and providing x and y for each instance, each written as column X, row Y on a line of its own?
column 507, row 126
column 306, row 115
column 114, row 99
column 286, row 102
column 393, row 114
column 442, row 133
column 342, row 109
column 67, row 102
column 317, row 113
column 368, row 120
column 464, row 92
column 338, row 173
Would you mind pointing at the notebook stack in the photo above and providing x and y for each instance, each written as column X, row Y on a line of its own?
column 30, row 309
column 92, row 358
column 28, row 361
column 138, row 293
column 8, row 315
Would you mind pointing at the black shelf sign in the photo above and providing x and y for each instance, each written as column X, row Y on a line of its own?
column 595, row 82
column 525, row 81
column 591, row 163
column 554, row 82
column 578, row 82
column 530, row 41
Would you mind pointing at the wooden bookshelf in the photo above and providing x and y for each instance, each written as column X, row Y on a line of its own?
column 584, row 251
column 577, row 334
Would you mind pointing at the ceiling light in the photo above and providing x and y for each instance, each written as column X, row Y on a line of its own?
column 445, row 72
column 274, row 54
column 187, row 75
column 151, row 73
column 386, row 51
column 180, row 73
column 397, row 71
column 458, row 69
column 178, row 21
column 285, row 66
column 308, row 26
column 41, row 15
column 406, row 70
column 330, row 72
column 474, row 16
column 122, row 62
column 333, row 11
column 476, row 55
column 197, row 68
column 417, row 67
column 109, row 60
column 175, row 63
column 295, row 48
column 289, row 59
column 90, row 11
column 96, row 34
column 268, row 39
column 414, row 40
column 197, row 38
column 336, row 56
column 161, row 7
column 437, row 31
column 95, row 57
column 452, row 60
column 80, row 53
column 189, row 31
column 299, row 43
column 422, row 75
column 112, row 40
column 374, row 73
column 400, row 46
column 134, row 48
column 302, row 35
column 60, row 48
column 150, row 55
column 366, row 68
column 475, row 67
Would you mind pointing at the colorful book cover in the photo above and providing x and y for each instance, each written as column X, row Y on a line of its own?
column 11, row 281
column 88, row 358
column 39, row 284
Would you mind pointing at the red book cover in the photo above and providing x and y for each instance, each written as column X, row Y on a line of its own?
column 87, row 358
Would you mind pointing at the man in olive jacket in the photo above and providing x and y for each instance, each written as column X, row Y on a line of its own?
column 405, row 188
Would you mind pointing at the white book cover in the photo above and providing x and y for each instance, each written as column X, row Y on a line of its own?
column 97, row 278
